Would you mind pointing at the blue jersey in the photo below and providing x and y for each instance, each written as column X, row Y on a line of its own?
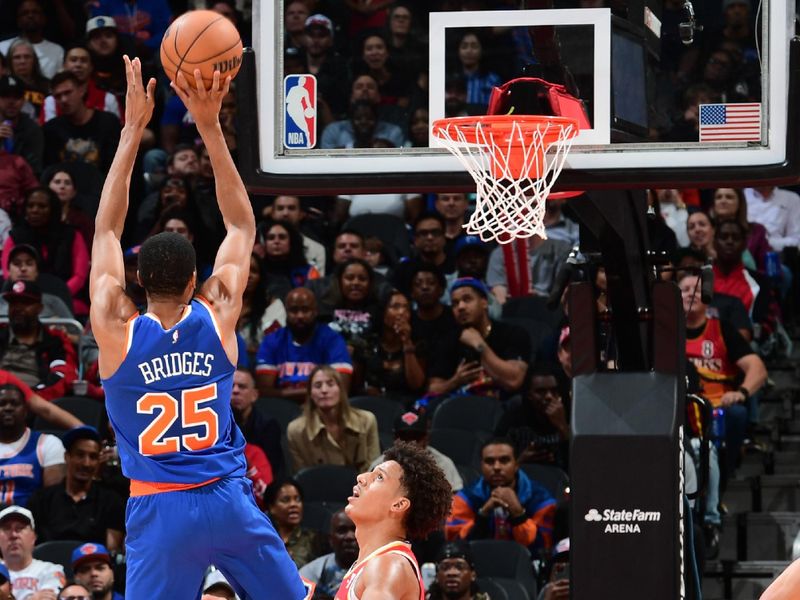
column 292, row 363
column 21, row 474
column 169, row 402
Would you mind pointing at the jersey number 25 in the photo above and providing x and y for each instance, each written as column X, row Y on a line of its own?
column 153, row 439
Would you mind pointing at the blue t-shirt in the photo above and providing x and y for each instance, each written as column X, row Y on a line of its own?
column 292, row 363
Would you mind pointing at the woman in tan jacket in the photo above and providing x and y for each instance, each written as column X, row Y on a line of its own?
column 330, row 431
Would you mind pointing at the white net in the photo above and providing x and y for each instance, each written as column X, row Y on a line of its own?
column 514, row 163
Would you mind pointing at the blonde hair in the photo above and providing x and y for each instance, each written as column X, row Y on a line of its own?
column 344, row 403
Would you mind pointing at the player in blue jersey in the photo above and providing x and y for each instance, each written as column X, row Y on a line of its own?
column 168, row 375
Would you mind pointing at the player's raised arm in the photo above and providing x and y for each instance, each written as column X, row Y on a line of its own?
column 109, row 305
column 232, row 264
column 106, row 251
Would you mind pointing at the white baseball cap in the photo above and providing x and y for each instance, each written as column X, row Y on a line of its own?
column 100, row 23
column 17, row 510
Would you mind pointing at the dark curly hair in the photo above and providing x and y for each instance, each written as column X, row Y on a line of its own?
column 426, row 487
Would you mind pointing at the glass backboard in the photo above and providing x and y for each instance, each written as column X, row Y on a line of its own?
column 342, row 101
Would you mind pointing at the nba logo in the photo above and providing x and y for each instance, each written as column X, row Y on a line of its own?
column 300, row 114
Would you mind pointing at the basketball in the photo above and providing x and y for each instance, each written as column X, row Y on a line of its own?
column 201, row 39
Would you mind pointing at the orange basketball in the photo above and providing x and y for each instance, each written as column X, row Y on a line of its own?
column 201, row 39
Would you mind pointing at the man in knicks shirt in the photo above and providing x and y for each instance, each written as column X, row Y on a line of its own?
column 483, row 357
column 287, row 356
column 31, row 579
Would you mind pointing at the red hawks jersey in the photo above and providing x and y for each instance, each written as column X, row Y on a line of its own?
column 347, row 591
column 709, row 354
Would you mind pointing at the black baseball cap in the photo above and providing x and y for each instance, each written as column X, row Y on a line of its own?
column 11, row 86
column 82, row 432
column 27, row 248
column 21, row 289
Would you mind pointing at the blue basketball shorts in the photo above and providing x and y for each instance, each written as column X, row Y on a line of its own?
column 173, row 537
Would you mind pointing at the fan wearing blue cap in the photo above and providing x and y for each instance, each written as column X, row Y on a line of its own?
column 92, row 566
column 472, row 260
column 483, row 357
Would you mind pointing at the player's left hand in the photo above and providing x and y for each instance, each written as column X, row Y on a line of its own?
column 204, row 104
column 139, row 100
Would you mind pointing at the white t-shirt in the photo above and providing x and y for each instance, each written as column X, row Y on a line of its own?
column 37, row 576
column 390, row 204
column 49, row 450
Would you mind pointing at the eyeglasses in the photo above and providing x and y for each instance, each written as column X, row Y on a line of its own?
column 75, row 598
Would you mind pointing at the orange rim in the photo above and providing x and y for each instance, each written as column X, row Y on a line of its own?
column 500, row 126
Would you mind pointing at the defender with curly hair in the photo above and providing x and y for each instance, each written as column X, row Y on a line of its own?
column 406, row 496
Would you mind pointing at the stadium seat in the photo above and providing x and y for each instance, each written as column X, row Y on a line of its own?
column 504, row 559
column 391, row 230
column 287, row 454
column 533, row 307
column 317, row 515
column 89, row 411
column 386, row 440
column 461, row 446
column 469, row 413
column 280, row 409
column 551, row 477
column 489, row 586
column 514, row 590
column 327, row 483
column 384, row 409
column 537, row 332
column 58, row 552
column 469, row 474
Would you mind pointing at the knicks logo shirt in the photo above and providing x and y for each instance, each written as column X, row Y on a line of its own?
column 169, row 401
column 292, row 363
column 300, row 111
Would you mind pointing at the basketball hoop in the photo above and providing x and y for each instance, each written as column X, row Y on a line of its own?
column 514, row 160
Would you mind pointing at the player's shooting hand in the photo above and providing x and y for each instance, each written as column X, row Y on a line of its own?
column 204, row 104
column 139, row 100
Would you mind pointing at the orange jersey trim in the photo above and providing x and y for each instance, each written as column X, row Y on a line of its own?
column 129, row 334
column 147, row 488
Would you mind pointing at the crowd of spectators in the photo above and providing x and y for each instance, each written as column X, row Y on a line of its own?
column 337, row 309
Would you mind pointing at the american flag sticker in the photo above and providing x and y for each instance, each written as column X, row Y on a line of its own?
column 730, row 122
